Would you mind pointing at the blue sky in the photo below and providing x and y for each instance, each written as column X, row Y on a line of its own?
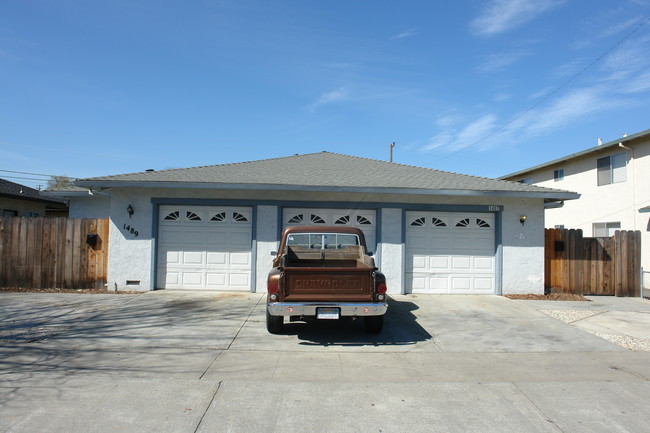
column 486, row 88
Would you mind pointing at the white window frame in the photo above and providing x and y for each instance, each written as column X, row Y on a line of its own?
column 611, row 169
column 605, row 230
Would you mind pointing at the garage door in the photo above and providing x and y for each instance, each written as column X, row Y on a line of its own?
column 365, row 219
column 450, row 253
column 202, row 247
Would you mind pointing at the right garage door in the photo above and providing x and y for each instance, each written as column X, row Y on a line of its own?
column 450, row 253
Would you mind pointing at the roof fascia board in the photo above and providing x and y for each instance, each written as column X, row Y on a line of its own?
column 557, row 195
column 611, row 144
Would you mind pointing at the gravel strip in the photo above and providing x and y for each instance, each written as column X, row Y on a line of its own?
column 570, row 316
column 631, row 343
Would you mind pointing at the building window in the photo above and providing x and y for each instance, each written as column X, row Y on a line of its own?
column 527, row 181
column 9, row 213
column 558, row 175
column 605, row 230
column 612, row 169
column 559, row 226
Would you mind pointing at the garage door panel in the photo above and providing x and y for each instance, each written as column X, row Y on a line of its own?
column 450, row 252
column 484, row 263
column 217, row 258
column 192, row 279
column 240, row 259
column 239, row 280
column 215, row 280
column 439, row 263
column 462, row 263
column 192, row 258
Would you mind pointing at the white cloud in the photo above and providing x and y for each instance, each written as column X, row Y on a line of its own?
column 503, row 15
column 500, row 62
column 454, row 139
column 338, row 95
column 405, row 34
column 640, row 83
column 568, row 109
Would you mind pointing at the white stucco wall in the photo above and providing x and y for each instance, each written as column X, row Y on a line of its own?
column 131, row 257
column 91, row 206
column 392, row 250
column 523, row 247
column 267, row 242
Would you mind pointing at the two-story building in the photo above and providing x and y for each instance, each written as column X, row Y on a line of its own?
column 613, row 180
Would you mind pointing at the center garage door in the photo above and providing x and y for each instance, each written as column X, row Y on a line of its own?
column 365, row 219
column 204, row 247
column 450, row 253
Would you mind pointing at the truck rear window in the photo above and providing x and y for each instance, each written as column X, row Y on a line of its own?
column 322, row 240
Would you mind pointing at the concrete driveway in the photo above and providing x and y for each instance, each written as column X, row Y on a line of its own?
column 199, row 362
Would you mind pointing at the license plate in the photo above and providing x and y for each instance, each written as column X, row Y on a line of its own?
column 328, row 313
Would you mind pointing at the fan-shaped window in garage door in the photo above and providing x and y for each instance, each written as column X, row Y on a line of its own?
column 296, row 219
column 343, row 220
column 172, row 216
column 317, row 220
column 482, row 223
column 437, row 222
column 236, row 216
column 419, row 222
column 192, row 216
column 463, row 223
column 221, row 216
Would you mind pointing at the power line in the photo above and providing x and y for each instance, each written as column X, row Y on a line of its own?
column 33, row 174
column 547, row 97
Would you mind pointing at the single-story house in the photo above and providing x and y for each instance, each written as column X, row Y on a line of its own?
column 83, row 203
column 215, row 227
column 18, row 200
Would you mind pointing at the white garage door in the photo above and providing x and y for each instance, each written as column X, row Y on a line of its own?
column 450, row 253
column 204, row 247
column 361, row 218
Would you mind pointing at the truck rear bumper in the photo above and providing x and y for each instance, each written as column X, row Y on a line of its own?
column 309, row 308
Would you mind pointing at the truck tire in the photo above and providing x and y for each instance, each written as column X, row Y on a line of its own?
column 274, row 324
column 373, row 324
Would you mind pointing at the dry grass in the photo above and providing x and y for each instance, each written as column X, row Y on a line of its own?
column 84, row 291
column 549, row 297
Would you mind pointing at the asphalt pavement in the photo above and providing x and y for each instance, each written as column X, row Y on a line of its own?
column 173, row 361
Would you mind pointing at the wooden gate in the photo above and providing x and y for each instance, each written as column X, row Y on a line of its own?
column 592, row 266
column 42, row 253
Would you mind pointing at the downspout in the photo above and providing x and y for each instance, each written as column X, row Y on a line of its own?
column 633, row 164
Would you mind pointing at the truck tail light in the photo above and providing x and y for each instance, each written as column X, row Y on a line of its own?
column 272, row 287
column 381, row 289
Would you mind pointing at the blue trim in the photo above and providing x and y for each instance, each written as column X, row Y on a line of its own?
column 498, row 245
column 154, row 246
column 253, row 279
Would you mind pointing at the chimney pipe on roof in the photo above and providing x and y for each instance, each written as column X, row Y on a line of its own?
column 600, row 141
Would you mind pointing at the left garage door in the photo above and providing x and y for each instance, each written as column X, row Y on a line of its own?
column 204, row 247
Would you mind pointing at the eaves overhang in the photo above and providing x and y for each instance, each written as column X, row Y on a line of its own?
column 599, row 148
column 546, row 194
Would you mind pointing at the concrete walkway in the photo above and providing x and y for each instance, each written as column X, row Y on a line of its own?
column 203, row 362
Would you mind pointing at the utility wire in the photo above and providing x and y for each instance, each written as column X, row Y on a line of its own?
column 33, row 174
column 547, row 97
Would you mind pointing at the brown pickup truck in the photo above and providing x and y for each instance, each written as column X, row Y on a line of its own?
column 324, row 273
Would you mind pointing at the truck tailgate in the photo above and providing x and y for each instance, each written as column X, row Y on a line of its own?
column 328, row 284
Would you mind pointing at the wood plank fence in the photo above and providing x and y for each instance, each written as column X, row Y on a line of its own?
column 592, row 266
column 47, row 253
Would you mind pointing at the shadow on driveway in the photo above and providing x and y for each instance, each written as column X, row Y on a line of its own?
column 400, row 328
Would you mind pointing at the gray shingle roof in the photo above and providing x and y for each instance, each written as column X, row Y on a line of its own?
column 22, row 192
column 321, row 171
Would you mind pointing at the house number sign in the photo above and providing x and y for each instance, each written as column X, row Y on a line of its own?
column 131, row 230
